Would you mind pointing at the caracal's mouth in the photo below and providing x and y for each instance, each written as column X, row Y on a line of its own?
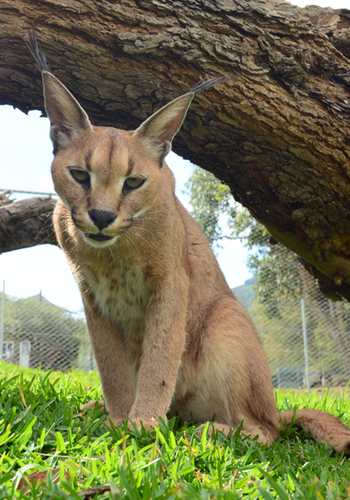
column 98, row 237
column 99, row 240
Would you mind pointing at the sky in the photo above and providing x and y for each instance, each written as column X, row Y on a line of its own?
column 25, row 153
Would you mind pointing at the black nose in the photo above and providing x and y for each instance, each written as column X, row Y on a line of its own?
column 102, row 218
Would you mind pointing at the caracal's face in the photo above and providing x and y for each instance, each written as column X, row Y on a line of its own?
column 109, row 181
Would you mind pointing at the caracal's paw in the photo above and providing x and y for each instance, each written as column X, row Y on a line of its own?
column 113, row 422
column 212, row 427
column 92, row 405
column 140, row 423
column 133, row 423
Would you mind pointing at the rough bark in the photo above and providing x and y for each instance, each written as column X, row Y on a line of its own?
column 26, row 223
column 277, row 131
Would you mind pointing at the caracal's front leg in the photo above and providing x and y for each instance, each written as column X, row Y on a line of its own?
column 163, row 347
column 115, row 372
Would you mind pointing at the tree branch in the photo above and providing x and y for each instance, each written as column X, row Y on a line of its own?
column 26, row 223
column 276, row 131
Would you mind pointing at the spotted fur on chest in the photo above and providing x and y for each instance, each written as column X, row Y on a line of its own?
column 122, row 293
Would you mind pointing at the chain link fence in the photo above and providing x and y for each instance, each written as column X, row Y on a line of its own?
column 306, row 336
column 38, row 334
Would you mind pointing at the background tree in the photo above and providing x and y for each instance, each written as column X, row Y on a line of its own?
column 212, row 202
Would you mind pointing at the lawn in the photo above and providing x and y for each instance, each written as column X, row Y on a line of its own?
column 49, row 450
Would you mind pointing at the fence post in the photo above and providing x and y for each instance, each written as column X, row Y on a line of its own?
column 306, row 351
column 24, row 353
column 2, row 320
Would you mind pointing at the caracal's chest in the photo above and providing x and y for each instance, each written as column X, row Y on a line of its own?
column 121, row 292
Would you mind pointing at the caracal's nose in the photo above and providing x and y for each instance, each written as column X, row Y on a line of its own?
column 102, row 218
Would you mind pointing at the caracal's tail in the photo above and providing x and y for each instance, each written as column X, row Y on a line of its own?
column 323, row 427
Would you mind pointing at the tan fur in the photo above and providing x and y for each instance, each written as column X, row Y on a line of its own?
column 168, row 334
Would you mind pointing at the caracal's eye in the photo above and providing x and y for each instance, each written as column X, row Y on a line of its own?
column 81, row 176
column 132, row 183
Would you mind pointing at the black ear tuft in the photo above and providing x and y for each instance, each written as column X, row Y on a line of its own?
column 38, row 55
column 203, row 86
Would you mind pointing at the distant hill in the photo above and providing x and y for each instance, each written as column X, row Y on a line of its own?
column 245, row 293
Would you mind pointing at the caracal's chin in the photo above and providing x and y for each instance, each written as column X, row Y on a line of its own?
column 99, row 240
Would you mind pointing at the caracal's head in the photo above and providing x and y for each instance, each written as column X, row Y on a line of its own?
column 107, row 178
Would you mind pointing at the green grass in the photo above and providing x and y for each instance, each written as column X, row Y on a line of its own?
column 41, row 430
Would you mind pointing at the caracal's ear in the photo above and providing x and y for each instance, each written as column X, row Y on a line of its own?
column 159, row 129
column 68, row 119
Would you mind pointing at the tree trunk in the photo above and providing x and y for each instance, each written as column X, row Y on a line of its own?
column 277, row 131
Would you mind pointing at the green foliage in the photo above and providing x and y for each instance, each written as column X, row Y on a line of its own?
column 54, row 334
column 210, row 200
column 42, row 430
